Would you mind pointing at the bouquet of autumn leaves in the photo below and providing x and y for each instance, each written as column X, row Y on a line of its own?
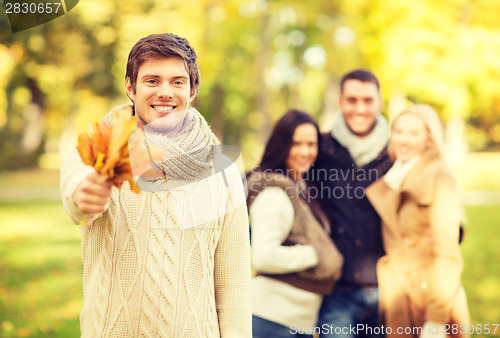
column 106, row 149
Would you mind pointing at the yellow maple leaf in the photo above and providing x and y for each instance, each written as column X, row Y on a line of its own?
column 106, row 148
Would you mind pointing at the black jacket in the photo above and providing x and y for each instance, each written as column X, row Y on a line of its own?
column 356, row 228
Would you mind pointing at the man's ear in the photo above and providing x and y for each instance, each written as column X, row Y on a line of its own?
column 381, row 108
column 340, row 101
column 130, row 90
column 191, row 98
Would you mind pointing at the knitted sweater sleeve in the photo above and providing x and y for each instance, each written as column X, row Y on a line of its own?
column 73, row 171
column 232, row 265
column 270, row 228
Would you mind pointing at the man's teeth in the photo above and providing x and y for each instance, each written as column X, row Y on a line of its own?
column 163, row 108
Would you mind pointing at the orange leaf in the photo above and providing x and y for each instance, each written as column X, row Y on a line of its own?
column 85, row 150
column 106, row 149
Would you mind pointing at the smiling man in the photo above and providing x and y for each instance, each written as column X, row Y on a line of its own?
column 173, row 260
column 353, row 155
column 160, row 88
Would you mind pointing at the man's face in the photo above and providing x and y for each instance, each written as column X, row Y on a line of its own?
column 360, row 104
column 162, row 92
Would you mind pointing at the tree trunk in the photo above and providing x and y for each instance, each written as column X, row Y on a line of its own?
column 262, row 100
column 330, row 106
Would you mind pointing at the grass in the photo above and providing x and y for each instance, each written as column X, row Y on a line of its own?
column 481, row 250
column 40, row 271
column 41, row 268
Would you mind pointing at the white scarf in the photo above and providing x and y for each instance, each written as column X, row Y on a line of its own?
column 365, row 149
column 398, row 172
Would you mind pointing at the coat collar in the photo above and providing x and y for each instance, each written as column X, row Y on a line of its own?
column 421, row 180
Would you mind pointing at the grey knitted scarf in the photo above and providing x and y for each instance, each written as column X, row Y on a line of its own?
column 188, row 152
column 363, row 150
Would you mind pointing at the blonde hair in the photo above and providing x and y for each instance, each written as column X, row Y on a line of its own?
column 431, row 122
column 435, row 129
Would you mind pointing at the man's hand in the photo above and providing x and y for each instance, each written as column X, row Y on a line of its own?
column 92, row 195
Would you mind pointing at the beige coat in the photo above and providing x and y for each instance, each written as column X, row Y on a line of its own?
column 419, row 277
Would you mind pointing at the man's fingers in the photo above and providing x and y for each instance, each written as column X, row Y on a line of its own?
column 89, row 203
column 90, row 208
column 97, row 197
column 92, row 194
column 98, row 179
column 94, row 186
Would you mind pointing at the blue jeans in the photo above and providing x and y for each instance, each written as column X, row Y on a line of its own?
column 350, row 312
column 262, row 328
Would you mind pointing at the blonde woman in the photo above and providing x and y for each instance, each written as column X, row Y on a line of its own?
column 421, row 294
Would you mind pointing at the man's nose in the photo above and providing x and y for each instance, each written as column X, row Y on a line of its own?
column 165, row 91
column 360, row 107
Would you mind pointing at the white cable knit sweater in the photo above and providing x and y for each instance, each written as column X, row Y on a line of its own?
column 165, row 264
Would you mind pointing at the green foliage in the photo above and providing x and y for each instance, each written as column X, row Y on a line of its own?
column 258, row 58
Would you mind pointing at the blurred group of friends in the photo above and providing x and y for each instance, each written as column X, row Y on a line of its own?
column 354, row 232
column 388, row 202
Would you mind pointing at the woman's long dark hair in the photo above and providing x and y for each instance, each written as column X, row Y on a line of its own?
column 281, row 140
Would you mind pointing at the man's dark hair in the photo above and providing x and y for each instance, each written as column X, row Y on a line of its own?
column 163, row 46
column 362, row 75
column 281, row 140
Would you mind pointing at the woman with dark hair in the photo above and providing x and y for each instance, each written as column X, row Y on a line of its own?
column 296, row 262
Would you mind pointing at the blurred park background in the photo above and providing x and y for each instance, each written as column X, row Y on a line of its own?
column 257, row 59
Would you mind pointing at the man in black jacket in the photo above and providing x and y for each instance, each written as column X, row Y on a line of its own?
column 353, row 155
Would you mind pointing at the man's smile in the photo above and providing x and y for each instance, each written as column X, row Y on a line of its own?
column 163, row 108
